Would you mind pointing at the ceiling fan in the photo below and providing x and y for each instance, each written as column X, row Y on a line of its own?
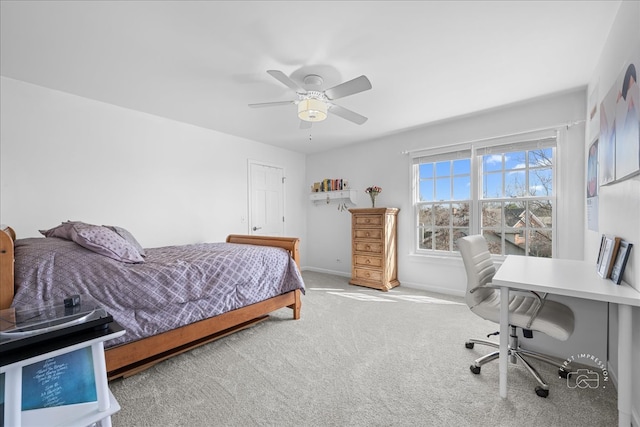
column 313, row 105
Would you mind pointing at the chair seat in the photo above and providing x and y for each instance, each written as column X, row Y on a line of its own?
column 554, row 319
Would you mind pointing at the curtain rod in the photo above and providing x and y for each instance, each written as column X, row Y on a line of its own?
column 475, row 141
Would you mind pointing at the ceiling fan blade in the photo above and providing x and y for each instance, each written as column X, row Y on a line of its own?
column 285, row 80
column 359, row 84
column 347, row 114
column 305, row 124
column 271, row 104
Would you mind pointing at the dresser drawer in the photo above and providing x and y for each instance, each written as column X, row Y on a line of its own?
column 364, row 274
column 372, row 247
column 368, row 233
column 368, row 220
column 367, row 261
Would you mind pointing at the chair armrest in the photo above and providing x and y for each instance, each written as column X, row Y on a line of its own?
column 541, row 300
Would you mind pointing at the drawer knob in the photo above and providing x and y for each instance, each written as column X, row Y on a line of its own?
column 367, row 220
column 368, row 274
column 367, row 247
column 368, row 261
column 367, row 234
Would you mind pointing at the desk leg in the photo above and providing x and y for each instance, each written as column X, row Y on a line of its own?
column 624, row 365
column 504, row 339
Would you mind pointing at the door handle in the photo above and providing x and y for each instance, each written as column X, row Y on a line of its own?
column 257, row 228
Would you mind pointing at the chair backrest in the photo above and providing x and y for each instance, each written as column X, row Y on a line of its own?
column 479, row 266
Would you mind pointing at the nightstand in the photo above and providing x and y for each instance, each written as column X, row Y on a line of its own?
column 57, row 375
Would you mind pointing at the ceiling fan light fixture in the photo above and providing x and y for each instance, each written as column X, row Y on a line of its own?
column 312, row 110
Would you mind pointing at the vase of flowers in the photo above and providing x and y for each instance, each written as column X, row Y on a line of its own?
column 373, row 193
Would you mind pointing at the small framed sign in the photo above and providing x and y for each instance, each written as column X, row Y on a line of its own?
column 620, row 261
column 608, row 250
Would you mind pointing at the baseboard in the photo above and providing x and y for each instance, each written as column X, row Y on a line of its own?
column 419, row 286
column 326, row 271
column 431, row 288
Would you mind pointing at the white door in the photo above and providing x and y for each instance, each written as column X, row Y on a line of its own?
column 266, row 199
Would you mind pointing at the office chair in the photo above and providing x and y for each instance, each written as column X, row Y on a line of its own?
column 527, row 310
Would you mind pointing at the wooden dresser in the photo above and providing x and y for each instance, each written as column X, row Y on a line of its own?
column 373, row 248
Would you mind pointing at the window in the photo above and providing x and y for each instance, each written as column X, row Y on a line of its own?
column 445, row 197
column 505, row 192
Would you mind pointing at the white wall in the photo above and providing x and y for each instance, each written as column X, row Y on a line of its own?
column 381, row 162
column 70, row 158
column 619, row 205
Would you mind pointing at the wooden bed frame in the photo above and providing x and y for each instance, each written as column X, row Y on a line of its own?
column 130, row 358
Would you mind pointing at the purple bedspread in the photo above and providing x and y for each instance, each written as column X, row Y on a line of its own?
column 175, row 286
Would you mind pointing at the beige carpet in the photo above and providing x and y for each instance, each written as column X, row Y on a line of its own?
column 358, row 357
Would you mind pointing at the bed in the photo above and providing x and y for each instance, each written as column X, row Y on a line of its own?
column 171, row 300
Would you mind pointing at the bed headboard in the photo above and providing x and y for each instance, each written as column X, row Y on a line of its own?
column 7, row 237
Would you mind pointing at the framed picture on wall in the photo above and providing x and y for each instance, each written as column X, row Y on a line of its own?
column 621, row 261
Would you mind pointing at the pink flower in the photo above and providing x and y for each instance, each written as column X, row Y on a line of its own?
column 374, row 189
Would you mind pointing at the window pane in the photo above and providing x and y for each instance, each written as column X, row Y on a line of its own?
column 542, row 157
column 492, row 162
column 461, row 167
column 443, row 169
column 541, row 182
column 426, row 190
column 494, row 241
column 492, row 185
column 515, row 241
column 443, row 189
column 460, row 214
column 515, row 185
column 462, row 188
column 425, row 240
column 515, row 215
column 540, row 243
column 515, row 160
column 541, row 213
column 492, row 214
column 442, row 214
column 425, row 217
column 442, row 239
column 426, row 170
column 458, row 233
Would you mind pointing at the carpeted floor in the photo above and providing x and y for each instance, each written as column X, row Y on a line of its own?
column 358, row 357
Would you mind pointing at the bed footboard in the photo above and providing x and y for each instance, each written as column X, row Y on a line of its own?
column 291, row 244
column 129, row 359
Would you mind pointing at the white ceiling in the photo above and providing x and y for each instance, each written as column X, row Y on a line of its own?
column 202, row 62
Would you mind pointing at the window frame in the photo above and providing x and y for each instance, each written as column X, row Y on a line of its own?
column 549, row 138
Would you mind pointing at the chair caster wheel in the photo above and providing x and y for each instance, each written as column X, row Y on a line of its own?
column 468, row 344
column 563, row 374
column 542, row 392
column 475, row 369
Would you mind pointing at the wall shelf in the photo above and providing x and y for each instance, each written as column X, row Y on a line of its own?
column 327, row 197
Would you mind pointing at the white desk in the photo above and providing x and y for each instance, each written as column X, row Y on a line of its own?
column 575, row 279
